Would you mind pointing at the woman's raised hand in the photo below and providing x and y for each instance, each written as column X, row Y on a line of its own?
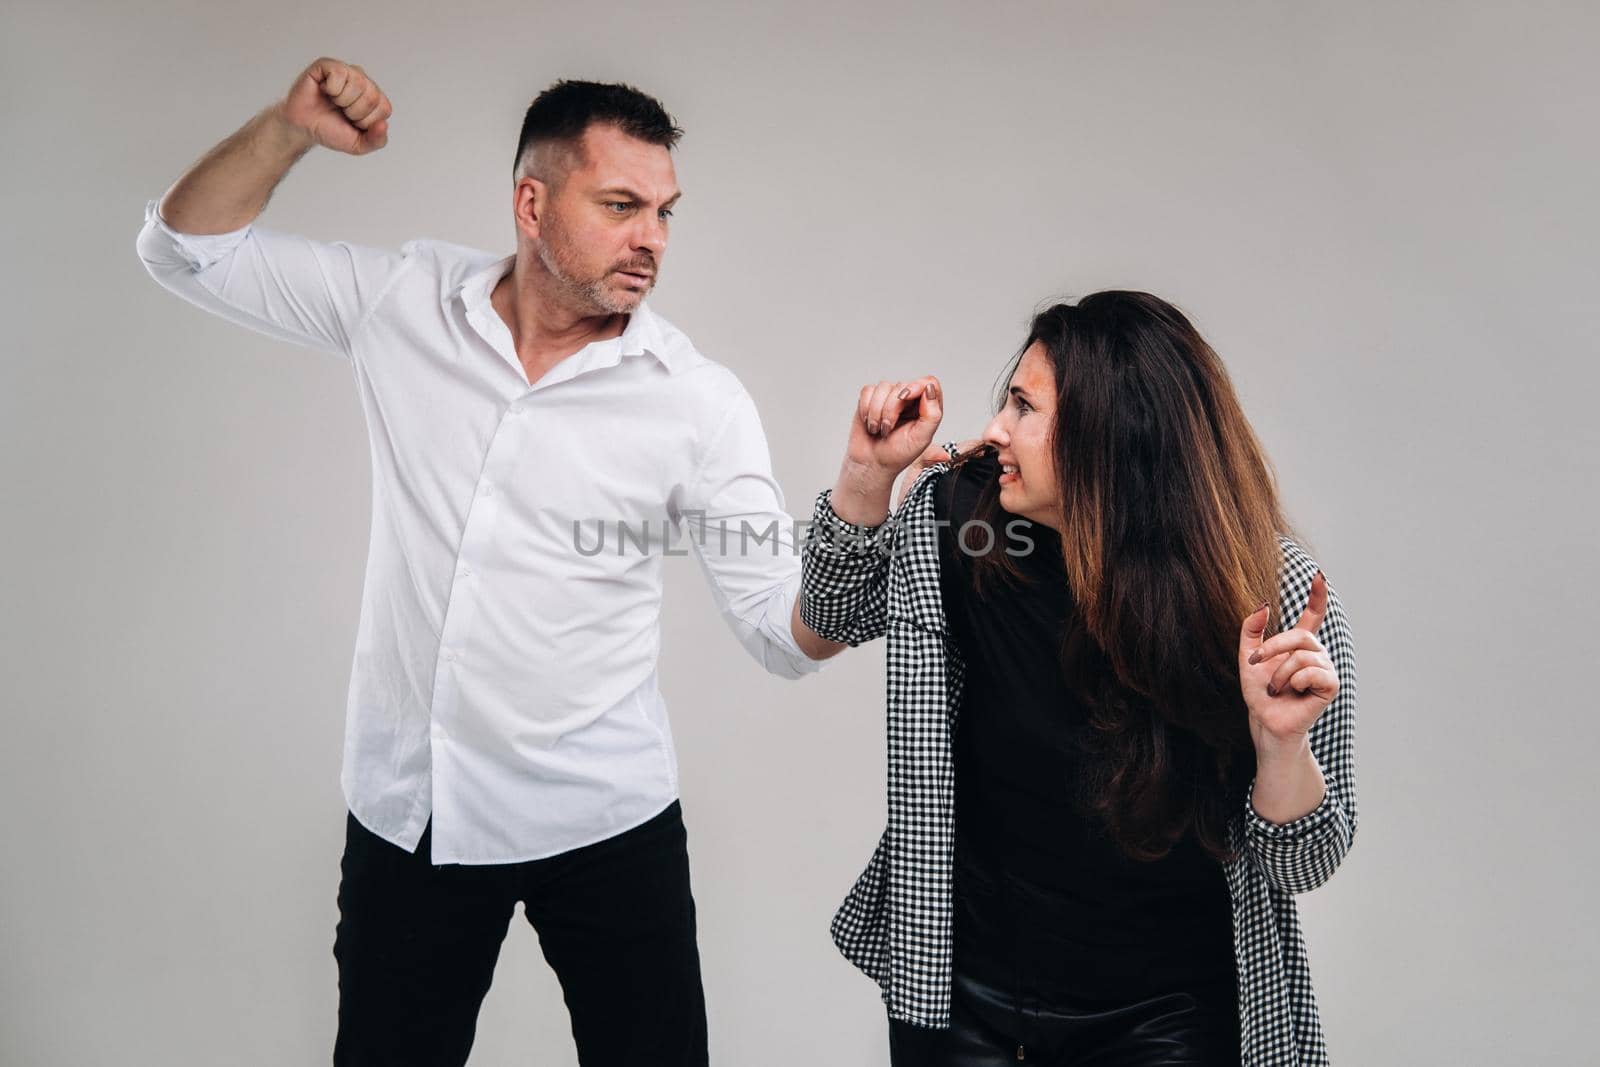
column 1288, row 678
column 893, row 424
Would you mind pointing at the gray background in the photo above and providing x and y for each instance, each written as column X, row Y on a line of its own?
column 1380, row 214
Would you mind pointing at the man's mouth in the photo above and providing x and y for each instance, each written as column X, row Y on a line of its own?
column 642, row 277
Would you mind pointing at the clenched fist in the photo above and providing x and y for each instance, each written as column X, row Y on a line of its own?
column 336, row 105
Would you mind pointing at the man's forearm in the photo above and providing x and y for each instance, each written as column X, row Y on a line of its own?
column 230, row 185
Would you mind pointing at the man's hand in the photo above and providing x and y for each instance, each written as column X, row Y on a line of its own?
column 336, row 105
column 331, row 103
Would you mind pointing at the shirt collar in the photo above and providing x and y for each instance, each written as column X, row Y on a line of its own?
column 642, row 336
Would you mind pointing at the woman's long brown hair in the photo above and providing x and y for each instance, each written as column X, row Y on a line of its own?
column 1171, row 523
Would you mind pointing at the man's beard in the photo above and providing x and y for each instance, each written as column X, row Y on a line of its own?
column 593, row 294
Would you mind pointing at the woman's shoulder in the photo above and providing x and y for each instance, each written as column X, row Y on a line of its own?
column 1297, row 564
column 1295, row 573
column 957, row 491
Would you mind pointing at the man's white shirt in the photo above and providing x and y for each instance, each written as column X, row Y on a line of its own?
column 504, row 679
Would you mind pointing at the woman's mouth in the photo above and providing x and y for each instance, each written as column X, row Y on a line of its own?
column 1008, row 474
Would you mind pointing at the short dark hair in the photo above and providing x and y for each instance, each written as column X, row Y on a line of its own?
column 565, row 110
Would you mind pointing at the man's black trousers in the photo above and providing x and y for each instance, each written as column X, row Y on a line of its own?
column 416, row 946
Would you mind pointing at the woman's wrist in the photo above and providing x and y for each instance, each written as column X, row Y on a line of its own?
column 1289, row 782
column 1275, row 750
column 861, row 494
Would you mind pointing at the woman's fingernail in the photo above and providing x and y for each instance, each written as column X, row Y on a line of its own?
column 1255, row 657
column 872, row 427
column 1272, row 691
column 904, row 393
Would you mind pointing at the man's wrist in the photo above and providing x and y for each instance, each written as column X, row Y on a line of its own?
column 296, row 139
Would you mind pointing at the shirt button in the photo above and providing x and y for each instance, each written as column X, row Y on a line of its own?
column 466, row 572
column 449, row 655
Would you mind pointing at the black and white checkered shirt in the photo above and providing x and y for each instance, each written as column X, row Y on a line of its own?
column 861, row 583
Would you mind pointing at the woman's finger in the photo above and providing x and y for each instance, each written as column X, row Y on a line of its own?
column 895, row 399
column 1251, row 632
column 930, row 411
column 1316, row 605
column 863, row 403
column 906, row 398
column 880, row 396
column 1321, row 682
column 1288, row 641
column 869, row 393
column 1292, row 663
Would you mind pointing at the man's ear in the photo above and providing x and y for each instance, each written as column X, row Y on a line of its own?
column 530, row 198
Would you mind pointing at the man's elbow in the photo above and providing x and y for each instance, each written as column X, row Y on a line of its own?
column 818, row 649
column 793, row 664
column 156, row 253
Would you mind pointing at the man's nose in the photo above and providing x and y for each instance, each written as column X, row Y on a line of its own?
column 651, row 236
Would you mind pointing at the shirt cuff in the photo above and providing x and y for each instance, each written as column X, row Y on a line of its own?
column 833, row 536
column 1294, row 829
column 200, row 249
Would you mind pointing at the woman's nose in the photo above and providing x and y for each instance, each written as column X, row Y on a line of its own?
column 995, row 434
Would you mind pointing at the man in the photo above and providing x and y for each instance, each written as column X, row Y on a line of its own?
column 506, row 739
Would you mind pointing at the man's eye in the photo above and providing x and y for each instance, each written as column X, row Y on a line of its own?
column 617, row 207
column 666, row 212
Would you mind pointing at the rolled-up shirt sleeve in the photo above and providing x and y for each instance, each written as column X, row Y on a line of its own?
column 746, row 541
column 313, row 293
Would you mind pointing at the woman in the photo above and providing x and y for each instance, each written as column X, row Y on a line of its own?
column 1110, row 764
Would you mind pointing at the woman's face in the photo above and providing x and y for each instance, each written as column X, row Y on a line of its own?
column 1021, row 434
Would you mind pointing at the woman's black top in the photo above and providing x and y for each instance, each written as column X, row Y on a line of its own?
column 1043, row 895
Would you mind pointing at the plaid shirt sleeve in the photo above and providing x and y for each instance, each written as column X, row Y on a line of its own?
column 845, row 576
column 1300, row 855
